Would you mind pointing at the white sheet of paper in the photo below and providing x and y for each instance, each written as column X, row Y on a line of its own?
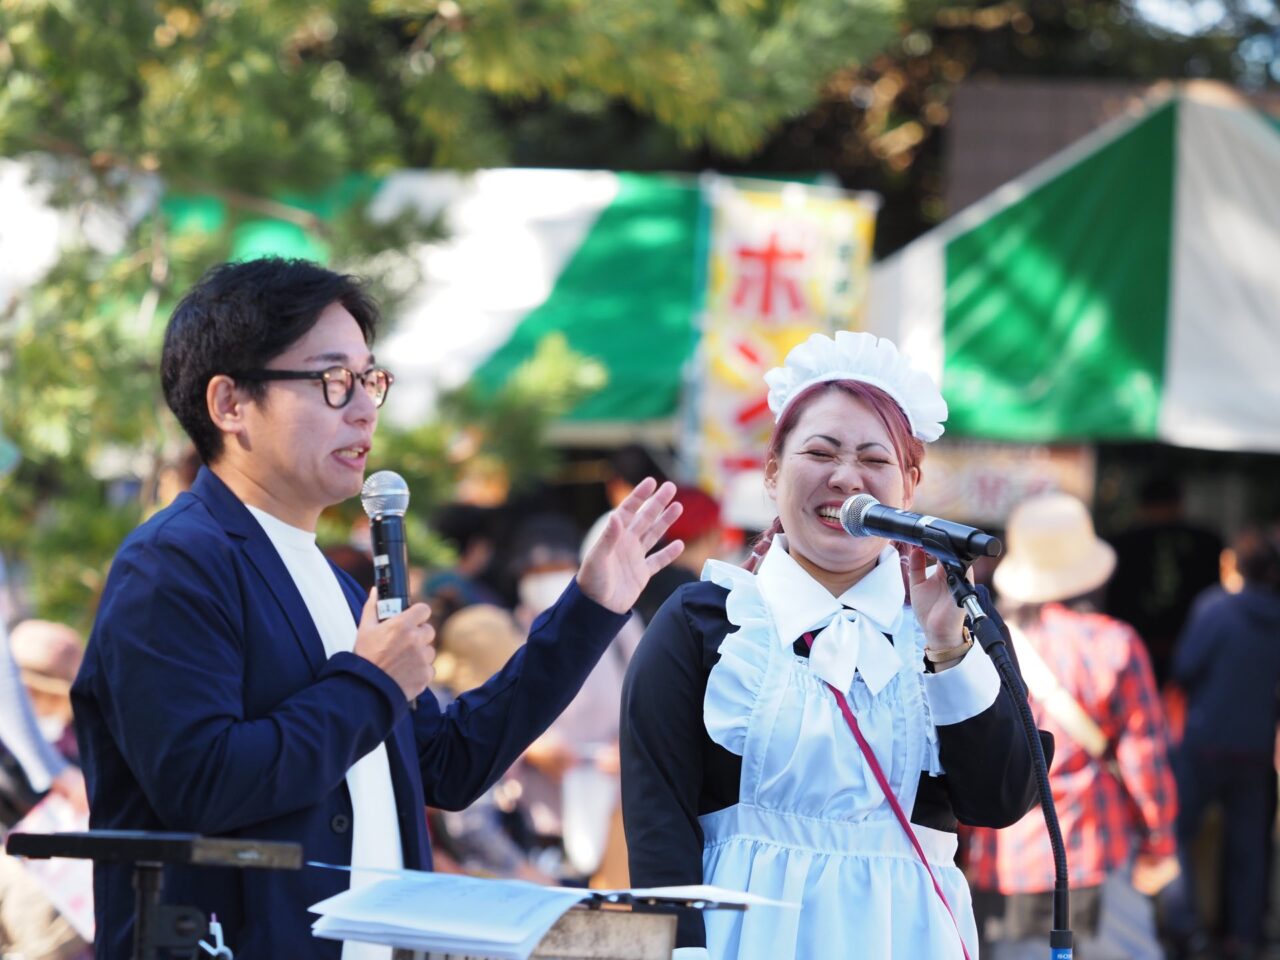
column 503, row 919
column 447, row 913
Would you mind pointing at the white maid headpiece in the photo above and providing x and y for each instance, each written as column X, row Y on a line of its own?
column 868, row 359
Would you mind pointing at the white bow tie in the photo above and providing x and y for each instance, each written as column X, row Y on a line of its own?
column 851, row 642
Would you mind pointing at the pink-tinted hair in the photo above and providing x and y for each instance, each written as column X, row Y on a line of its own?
column 908, row 448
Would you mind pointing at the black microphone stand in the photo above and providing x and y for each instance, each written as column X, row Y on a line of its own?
column 992, row 641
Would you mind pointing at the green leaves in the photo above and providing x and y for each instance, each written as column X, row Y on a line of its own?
column 271, row 94
column 185, row 132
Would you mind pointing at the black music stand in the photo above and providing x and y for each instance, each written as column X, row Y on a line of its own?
column 157, row 926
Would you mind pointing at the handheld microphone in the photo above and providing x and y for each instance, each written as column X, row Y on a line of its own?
column 385, row 497
column 865, row 516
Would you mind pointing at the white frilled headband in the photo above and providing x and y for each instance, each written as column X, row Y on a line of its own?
column 865, row 358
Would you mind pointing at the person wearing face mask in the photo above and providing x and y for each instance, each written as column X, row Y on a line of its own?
column 544, row 559
column 741, row 764
column 574, row 764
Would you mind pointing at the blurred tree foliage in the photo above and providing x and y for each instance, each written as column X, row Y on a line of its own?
column 177, row 134
column 880, row 122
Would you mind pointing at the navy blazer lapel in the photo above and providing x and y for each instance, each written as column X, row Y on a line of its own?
column 240, row 524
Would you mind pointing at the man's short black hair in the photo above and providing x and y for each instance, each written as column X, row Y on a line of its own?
column 240, row 316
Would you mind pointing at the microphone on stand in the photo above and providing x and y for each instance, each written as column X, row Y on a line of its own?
column 385, row 497
column 865, row 516
column 956, row 546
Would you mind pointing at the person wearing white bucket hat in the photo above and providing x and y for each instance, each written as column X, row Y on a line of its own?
column 1053, row 552
column 800, row 731
column 1092, row 686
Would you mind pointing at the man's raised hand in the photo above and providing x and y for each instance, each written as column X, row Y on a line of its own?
column 619, row 564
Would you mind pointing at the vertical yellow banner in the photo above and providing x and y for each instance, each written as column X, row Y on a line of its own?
column 784, row 261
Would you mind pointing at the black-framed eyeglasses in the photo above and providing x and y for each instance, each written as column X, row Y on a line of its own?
column 339, row 382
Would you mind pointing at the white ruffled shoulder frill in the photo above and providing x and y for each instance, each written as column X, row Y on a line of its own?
column 736, row 679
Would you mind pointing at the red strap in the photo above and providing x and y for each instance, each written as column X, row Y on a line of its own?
column 889, row 795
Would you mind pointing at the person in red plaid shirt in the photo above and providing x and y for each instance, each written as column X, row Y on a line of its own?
column 1111, row 777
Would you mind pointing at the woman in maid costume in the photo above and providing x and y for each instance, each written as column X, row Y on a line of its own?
column 812, row 727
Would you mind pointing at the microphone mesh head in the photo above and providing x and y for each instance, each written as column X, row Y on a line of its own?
column 852, row 513
column 384, row 493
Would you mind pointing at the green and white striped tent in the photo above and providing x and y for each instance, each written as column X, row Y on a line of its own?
column 609, row 260
column 1127, row 289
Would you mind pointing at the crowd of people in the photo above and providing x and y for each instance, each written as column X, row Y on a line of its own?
column 643, row 701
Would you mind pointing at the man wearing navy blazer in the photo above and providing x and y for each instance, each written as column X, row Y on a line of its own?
column 236, row 684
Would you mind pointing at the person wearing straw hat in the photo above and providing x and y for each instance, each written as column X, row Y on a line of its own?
column 800, row 731
column 48, row 655
column 1092, row 686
